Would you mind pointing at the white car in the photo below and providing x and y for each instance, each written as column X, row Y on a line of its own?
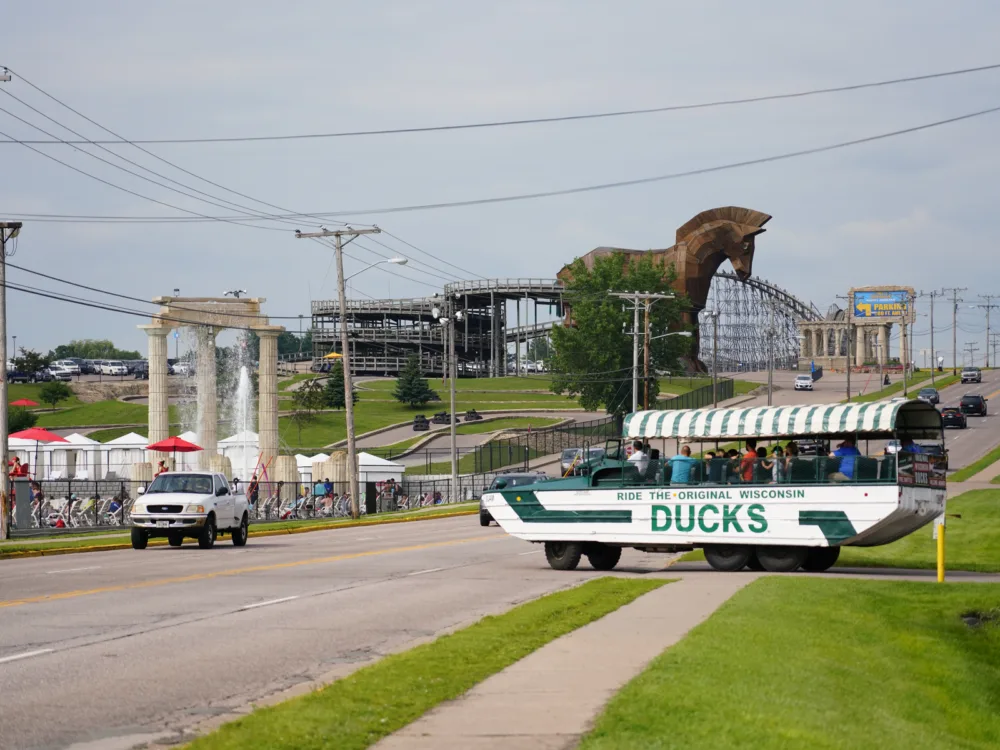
column 182, row 368
column 194, row 504
column 803, row 382
column 68, row 364
column 59, row 372
column 113, row 367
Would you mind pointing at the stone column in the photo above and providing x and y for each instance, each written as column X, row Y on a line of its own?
column 267, row 392
column 859, row 346
column 886, row 338
column 208, row 409
column 806, row 343
column 159, row 418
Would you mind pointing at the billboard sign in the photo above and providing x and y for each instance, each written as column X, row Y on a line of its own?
column 886, row 304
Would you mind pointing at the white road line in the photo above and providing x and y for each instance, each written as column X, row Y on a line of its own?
column 421, row 572
column 267, row 603
column 365, row 538
column 533, row 552
column 72, row 570
column 25, row 655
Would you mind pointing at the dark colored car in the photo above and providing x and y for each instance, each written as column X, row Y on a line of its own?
column 509, row 480
column 16, row 376
column 973, row 404
column 141, row 370
column 87, row 367
column 472, row 415
column 930, row 395
column 952, row 416
column 420, row 423
column 813, row 447
column 442, row 417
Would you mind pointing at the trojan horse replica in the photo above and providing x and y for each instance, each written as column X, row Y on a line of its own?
column 703, row 244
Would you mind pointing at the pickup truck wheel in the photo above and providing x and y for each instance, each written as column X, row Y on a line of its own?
column 728, row 557
column 563, row 555
column 240, row 534
column 819, row 559
column 780, row 559
column 206, row 539
column 484, row 518
column 603, row 556
column 139, row 539
column 175, row 540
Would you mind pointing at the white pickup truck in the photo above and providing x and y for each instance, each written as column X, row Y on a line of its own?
column 196, row 504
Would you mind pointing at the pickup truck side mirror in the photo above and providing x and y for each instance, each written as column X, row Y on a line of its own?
column 141, row 490
column 222, row 491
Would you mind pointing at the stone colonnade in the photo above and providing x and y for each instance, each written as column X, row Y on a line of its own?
column 825, row 342
column 209, row 316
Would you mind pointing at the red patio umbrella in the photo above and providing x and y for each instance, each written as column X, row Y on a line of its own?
column 23, row 402
column 174, row 445
column 39, row 435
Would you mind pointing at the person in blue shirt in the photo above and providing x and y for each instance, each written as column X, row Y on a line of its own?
column 847, row 453
column 680, row 466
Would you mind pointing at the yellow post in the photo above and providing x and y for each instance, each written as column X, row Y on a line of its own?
column 940, row 553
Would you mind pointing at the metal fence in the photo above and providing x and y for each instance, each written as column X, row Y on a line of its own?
column 60, row 505
column 699, row 397
column 517, row 451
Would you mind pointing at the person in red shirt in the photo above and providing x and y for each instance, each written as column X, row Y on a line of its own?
column 749, row 461
column 160, row 469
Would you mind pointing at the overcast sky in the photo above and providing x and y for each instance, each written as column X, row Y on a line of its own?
column 916, row 210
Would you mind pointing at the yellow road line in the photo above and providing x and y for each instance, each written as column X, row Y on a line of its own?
column 235, row 571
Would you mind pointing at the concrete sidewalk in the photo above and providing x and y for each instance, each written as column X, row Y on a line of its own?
column 550, row 698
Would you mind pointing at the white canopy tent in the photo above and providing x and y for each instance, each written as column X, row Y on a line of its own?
column 121, row 453
column 242, row 450
column 79, row 459
column 374, row 469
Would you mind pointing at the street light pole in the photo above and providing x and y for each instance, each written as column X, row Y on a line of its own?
column 449, row 316
column 8, row 231
column 352, row 454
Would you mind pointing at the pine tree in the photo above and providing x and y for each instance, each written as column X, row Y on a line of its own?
column 411, row 387
column 333, row 394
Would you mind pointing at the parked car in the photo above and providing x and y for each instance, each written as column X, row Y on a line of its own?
column 183, row 368
column 803, row 382
column 507, row 480
column 952, row 416
column 141, row 371
column 420, row 423
column 58, row 372
column 69, row 364
column 930, row 395
column 812, row 447
column 87, row 367
column 99, row 366
column 472, row 415
column 973, row 403
column 113, row 367
column 442, row 417
column 16, row 376
column 574, row 458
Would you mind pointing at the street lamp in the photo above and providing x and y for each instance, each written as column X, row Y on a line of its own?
column 448, row 322
column 393, row 261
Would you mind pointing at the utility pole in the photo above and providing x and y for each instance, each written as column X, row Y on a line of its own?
column 850, row 341
column 645, row 358
column 8, row 231
column 352, row 453
column 988, row 305
column 449, row 317
column 954, row 326
column 995, row 341
column 970, row 349
column 636, row 298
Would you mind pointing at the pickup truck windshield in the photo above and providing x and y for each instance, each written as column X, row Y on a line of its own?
column 193, row 483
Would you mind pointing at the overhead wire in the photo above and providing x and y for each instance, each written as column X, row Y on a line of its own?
column 248, row 211
column 594, row 187
column 559, row 118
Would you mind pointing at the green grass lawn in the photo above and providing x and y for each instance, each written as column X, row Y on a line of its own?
column 101, row 412
column 104, row 436
column 976, row 466
column 466, row 465
column 681, row 385
column 504, row 423
column 359, row 710
column 916, row 382
column 793, row 662
column 17, row 391
column 972, row 541
column 284, row 385
column 529, row 383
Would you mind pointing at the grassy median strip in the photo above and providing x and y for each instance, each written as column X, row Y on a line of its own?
column 791, row 662
column 976, row 466
column 105, row 541
column 915, row 383
column 359, row 710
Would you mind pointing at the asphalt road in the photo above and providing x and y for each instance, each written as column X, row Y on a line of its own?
column 121, row 647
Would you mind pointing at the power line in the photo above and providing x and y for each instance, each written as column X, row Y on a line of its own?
column 245, row 209
column 544, row 120
column 571, row 191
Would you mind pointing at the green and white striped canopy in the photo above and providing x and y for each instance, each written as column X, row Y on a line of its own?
column 876, row 417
